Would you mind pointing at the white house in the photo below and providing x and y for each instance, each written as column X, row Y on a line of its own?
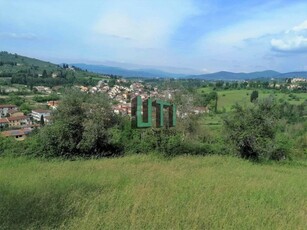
column 4, row 109
column 38, row 113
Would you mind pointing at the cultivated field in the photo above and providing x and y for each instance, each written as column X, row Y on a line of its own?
column 147, row 192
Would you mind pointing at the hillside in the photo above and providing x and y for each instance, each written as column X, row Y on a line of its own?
column 294, row 74
column 152, row 73
column 14, row 63
column 147, row 192
column 11, row 64
column 224, row 75
column 145, row 73
column 29, row 71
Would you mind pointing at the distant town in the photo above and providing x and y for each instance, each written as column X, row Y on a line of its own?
column 15, row 123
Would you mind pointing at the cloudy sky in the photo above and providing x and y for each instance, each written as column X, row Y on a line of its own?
column 203, row 35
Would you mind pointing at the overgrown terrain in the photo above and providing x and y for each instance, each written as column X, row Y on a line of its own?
column 148, row 192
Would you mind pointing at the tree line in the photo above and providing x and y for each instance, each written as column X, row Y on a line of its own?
column 84, row 125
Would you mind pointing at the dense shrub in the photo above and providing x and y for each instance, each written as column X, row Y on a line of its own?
column 51, row 97
column 253, row 130
column 81, row 127
column 10, row 146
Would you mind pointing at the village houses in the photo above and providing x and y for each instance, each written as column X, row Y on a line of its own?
column 4, row 109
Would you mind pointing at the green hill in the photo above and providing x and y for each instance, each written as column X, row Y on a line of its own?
column 29, row 71
column 14, row 63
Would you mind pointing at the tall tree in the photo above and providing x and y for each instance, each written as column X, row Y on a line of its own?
column 254, row 95
column 80, row 126
column 45, row 74
column 42, row 121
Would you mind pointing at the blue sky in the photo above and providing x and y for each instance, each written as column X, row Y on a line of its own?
column 197, row 36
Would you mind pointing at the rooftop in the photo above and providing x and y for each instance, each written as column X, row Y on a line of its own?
column 17, row 118
column 3, row 120
column 41, row 111
column 16, row 132
column 8, row 106
column 13, row 111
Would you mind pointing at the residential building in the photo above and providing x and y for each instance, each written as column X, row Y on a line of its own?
column 38, row 113
column 18, row 121
column 15, row 113
column 53, row 104
column 42, row 89
column 3, row 123
column 18, row 134
column 124, row 109
column 5, row 108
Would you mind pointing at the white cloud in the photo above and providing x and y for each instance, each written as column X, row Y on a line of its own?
column 142, row 24
column 295, row 43
column 260, row 23
column 294, row 40
column 142, row 32
column 204, row 70
column 23, row 36
column 301, row 27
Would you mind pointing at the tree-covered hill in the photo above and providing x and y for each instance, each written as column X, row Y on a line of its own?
column 13, row 63
column 29, row 71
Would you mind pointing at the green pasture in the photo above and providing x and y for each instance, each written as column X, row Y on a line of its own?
column 227, row 98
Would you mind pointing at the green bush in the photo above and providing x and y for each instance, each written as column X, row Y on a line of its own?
column 252, row 131
column 10, row 146
column 81, row 127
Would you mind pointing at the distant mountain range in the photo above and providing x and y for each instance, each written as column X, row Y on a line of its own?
column 144, row 73
column 230, row 76
column 14, row 63
column 155, row 73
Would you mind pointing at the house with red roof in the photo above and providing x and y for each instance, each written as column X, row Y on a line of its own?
column 18, row 121
column 3, row 123
column 18, row 134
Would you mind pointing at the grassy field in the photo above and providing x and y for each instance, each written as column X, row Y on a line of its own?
column 227, row 98
column 147, row 192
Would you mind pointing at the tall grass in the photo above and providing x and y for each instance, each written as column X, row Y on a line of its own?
column 147, row 192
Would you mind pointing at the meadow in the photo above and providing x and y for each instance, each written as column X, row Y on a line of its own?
column 151, row 192
column 227, row 98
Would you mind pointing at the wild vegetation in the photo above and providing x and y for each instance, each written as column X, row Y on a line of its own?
column 83, row 125
column 149, row 192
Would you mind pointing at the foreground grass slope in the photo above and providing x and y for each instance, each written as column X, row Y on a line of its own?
column 145, row 192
